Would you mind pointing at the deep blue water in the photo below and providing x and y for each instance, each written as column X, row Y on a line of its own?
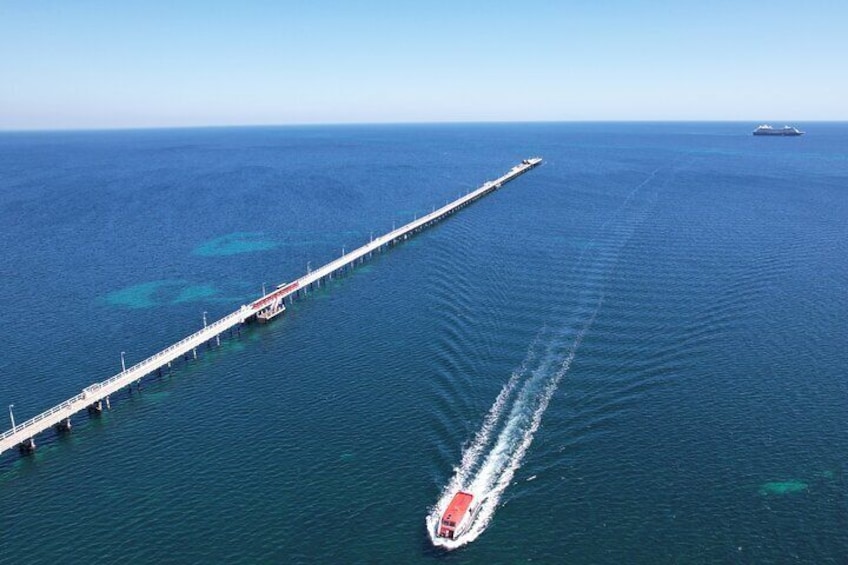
column 678, row 289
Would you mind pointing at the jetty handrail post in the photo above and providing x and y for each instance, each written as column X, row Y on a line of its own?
column 98, row 390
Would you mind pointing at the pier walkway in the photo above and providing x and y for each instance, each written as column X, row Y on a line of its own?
column 92, row 397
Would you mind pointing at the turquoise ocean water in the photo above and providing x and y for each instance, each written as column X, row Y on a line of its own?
column 637, row 350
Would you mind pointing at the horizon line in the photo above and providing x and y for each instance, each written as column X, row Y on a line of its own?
column 71, row 129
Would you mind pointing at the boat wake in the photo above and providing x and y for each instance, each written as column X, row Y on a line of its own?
column 491, row 459
column 489, row 462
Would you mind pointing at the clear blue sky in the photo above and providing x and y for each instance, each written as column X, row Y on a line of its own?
column 116, row 63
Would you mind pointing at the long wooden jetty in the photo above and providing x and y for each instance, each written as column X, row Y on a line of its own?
column 93, row 397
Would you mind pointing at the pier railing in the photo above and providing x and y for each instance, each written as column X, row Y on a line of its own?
column 96, row 392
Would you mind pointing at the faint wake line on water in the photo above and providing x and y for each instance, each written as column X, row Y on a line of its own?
column 491, row 459
column 520, row 406
column 472, row 452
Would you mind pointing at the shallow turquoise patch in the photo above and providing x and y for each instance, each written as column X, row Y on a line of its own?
column 154, row 395
column 160, row 293
column 783, row 487
column 194, row 293
column 581, row 242
column 144, row 295
column 234, row 244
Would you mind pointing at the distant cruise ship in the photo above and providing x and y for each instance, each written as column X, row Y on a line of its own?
column 766, row 129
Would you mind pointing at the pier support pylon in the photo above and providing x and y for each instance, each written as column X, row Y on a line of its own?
column 26, row 447
column 96, row 409
column 64, row 426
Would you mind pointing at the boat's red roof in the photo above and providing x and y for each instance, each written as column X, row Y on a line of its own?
column 458, row 507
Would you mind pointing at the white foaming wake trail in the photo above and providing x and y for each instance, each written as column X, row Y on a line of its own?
column 471, row 454
column 490, row 461
column 517, row 413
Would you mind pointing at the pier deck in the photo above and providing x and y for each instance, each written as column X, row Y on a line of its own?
column 92, row 397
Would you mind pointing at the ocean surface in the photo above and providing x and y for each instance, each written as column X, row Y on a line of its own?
column 636, row 351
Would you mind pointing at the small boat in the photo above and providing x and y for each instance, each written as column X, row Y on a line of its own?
column 458, row 516
column 766, row 129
